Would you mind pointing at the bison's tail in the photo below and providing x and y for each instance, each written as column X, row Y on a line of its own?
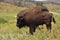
column 54, row 20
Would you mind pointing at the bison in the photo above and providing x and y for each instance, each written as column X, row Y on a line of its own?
column 33, row 20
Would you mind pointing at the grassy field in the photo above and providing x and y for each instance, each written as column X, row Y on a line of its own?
column 9, row 31
column 53, row 7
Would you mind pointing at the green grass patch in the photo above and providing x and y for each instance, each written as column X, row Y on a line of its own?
column 9, row 30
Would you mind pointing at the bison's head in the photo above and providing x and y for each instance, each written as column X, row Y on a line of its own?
column 20, row 22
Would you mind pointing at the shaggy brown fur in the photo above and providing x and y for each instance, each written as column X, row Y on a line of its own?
column 33, row 19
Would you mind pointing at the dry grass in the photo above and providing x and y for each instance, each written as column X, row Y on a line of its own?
column 9, row 31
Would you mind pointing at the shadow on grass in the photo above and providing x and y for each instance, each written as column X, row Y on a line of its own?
column 2, row 20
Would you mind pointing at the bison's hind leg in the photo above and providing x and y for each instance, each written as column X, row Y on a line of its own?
column 48, row 26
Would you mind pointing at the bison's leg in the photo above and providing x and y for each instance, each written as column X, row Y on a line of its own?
column 48, row 25
column 32, row 29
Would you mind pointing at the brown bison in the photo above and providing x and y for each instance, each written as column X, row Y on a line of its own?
column 32, row 19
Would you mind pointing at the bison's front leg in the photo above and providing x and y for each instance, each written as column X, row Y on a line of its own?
column 32, row 29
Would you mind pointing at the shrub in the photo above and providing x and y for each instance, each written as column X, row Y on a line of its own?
column 2, row 20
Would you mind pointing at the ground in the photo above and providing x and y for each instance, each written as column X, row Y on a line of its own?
column 9, row 31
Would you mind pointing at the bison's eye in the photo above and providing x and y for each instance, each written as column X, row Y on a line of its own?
column 21, row 18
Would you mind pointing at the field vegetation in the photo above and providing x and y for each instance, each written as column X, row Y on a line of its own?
column 9, row 31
